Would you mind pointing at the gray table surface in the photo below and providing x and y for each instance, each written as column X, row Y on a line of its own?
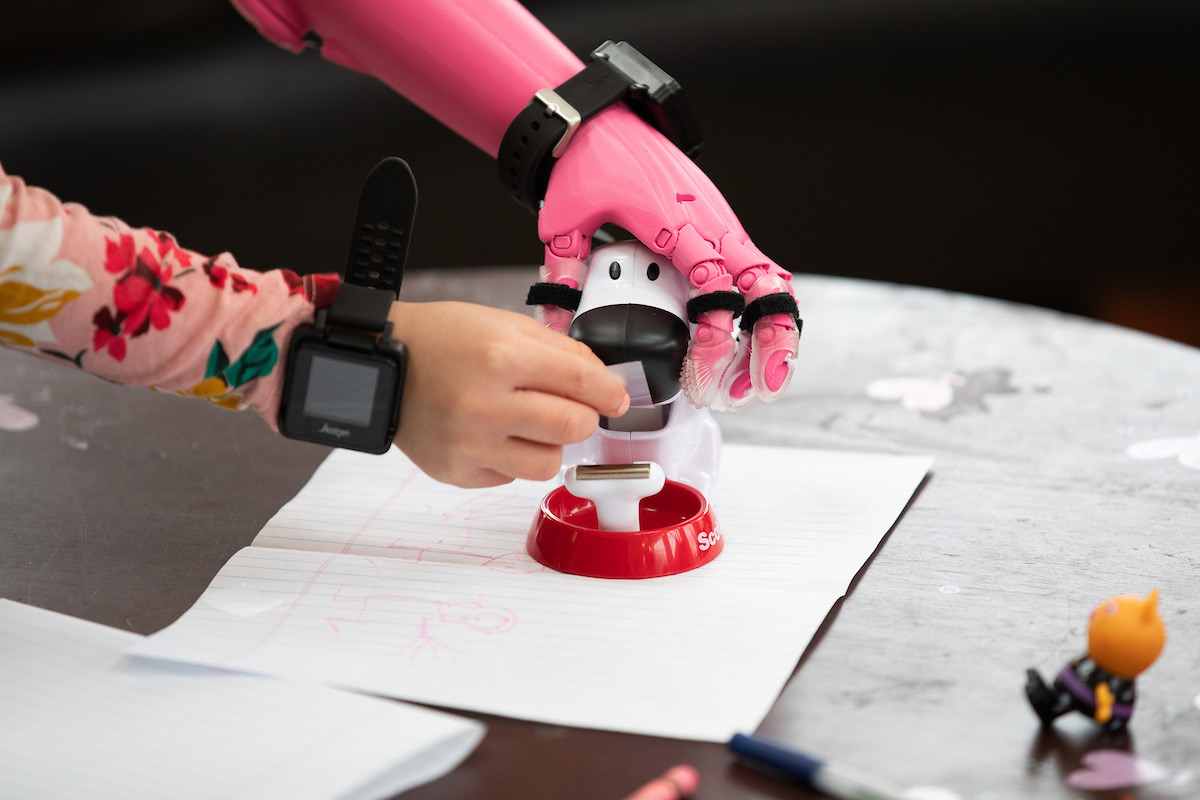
column 121, row 505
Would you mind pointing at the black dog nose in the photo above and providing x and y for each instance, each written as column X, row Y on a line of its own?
column 657, row 338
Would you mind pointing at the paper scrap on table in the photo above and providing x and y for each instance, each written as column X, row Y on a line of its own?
column 15, row 418
column 398, row 585
column 83, row 720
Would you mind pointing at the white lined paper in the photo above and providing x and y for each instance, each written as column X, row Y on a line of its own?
column 82, row 720
column 376, row 577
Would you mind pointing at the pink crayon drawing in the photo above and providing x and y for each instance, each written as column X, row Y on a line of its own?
column 486, row 506
column 520, row 563
column 361, row 610
column 426, row 643
column 433, row 618
column 479, row 616
column 299, row 598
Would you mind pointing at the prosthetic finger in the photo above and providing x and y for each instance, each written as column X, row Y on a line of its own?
column 773, row 347
column 771, row 319
column 556, row 295
column 737, row 390
column 711, row 306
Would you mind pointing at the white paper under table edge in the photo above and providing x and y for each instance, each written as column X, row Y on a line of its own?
column 436, row 761
column 429, row 763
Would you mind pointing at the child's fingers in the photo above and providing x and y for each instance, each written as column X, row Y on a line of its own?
column 550, row 419
column 560, row 341
column 521, row 458
column 480, row 479
column 565, row 374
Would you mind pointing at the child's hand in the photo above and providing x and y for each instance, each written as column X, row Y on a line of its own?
column 491, row 395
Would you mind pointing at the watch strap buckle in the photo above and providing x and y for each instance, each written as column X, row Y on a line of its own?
column 558, row 107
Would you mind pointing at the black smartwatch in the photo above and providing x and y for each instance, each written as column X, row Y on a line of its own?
column 615, row 72
column 345, row 373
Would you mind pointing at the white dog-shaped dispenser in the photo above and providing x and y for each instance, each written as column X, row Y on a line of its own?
column 643, row 471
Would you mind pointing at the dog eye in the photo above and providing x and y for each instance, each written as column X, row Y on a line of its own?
column 614, row 270
column 652, row 271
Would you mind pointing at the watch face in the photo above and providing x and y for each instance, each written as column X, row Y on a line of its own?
column 342, row 397
column 341, row 390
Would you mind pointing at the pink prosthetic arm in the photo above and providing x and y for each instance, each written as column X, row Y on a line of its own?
column 474, row 65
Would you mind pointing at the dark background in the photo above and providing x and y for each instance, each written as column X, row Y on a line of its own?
column 1043, row 152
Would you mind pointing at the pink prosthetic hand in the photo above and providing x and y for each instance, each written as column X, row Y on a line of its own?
column 672, row 207
column 474, row 66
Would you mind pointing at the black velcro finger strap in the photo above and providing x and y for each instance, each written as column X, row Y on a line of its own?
column 715, row 301
column 360, row 307
column 553, row 294
column 768, row 304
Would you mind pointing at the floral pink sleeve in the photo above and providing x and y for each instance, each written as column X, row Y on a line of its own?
column 132, row 306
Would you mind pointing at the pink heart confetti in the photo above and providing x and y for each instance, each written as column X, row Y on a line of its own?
column 1113, row 769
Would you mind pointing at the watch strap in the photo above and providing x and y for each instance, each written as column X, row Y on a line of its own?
column 540, row 133
column 387, row 209
column 616, row 71
column 354, row 331
column 361, row 308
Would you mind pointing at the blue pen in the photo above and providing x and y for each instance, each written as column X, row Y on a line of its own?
column 829, row 777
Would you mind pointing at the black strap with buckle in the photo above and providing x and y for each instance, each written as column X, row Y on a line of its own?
column 541, row 132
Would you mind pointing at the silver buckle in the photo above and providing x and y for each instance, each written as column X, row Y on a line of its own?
column 557, row 107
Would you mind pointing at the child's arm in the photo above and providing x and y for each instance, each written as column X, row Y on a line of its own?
column 132, row 306
column 490, row 395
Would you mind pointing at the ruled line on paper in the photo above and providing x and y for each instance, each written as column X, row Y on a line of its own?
column 83, row 720
column 428, row 594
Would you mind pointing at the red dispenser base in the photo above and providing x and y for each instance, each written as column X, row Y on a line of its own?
column 679, row 533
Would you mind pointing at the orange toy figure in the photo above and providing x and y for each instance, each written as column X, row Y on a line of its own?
column 1125, row 636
